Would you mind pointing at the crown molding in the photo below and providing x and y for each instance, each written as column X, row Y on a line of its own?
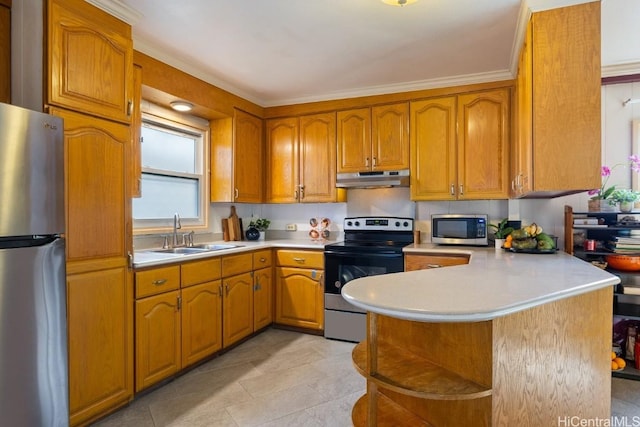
column 622, row 69
column 118, row 9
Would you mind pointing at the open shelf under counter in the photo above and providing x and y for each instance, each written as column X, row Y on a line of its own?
column 388, row 413
column 407, row 373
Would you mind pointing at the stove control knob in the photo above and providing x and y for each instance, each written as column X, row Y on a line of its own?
column 397, row 223
column 406, row 223
column 357, row 223
column 349, row 223
column 337, row 284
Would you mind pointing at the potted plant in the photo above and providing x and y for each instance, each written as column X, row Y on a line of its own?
column 625, row 198
column 260, row 224
column 501, row 231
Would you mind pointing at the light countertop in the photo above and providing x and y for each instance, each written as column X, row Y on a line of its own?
column 148, row 258
column 495, row 283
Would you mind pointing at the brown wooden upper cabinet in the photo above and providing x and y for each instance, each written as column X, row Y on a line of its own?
column 460, row 146
column 237, row 153
column 83, row 43
column 558, row 112
column 373, row 139
column 301, row 159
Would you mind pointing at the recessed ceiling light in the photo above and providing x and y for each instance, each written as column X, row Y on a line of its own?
column 181, row 106
column 398, row 2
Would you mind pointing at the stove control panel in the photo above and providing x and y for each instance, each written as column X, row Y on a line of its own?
column 375, row 223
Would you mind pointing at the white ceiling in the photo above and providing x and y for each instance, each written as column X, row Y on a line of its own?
column 279, row 52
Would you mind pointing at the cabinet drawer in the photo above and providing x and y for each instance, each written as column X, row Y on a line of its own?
column 156, row 281
column 421, row 262
column 200, row 271
column 262, row 259
column 236, row 264
column 294, row 258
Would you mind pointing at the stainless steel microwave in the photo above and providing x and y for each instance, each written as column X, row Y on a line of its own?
column 459, row 229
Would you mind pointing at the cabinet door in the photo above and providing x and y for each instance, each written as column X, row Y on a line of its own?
column 248, row 154
column 318, row 158
column 157, row 338
column 433, row 144
column 522, row 164
column 566, row 81
column 354, row 140
column 299, row 297
column 100, row 337
column 262, row 298
column 90, row 55
column 483, row 145
column 135, row 164
column 98, row 211
column 237, row 309
column 390, row 137
column 201, row 321
column 282, row 160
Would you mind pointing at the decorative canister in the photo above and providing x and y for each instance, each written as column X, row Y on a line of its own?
column 589, row 245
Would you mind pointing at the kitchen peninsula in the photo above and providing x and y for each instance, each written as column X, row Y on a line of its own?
column 507, row 339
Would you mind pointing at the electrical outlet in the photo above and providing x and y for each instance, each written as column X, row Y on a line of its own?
column 291, row 227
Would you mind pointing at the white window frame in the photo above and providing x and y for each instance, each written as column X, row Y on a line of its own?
column 164, row 118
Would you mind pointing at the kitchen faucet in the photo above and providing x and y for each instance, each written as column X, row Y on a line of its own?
column 176, row 227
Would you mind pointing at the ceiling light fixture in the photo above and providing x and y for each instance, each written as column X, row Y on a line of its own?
column 398, row 2
column 181, row 106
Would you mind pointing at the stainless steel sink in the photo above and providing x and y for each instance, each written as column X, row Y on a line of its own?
column 215, row 247
column 183, row 251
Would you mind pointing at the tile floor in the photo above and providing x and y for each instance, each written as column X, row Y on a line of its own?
column 280, row 378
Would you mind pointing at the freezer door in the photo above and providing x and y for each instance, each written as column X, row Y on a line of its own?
column 31, row 172
column 33, row 336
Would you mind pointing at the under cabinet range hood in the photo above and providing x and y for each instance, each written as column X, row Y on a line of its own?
column 375, row 179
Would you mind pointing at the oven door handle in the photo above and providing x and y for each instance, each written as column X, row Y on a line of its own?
column 383, row 254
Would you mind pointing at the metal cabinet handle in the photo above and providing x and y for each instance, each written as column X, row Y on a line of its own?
column 375, row 162
column 295, row 195
column 159, row 282
column 434, row 265
column 263, row 259
column 461, row 190
column 236, row 193
column 130, row 257
column 129, row 108
column 366, row 162
column 179, row 303
column 301, row 192
column 452, row 190
column 226, row 287
column 299, row 260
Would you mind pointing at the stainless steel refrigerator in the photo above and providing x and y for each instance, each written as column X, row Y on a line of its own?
column 33, row 315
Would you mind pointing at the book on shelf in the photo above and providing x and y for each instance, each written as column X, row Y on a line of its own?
column 631, row 290
column 585, row 221
column 590, row 225
column 628, row 240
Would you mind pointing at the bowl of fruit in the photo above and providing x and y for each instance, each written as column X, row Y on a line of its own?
column 531, row 239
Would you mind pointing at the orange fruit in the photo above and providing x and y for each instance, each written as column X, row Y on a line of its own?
column 614, row 365
column 620, row 362
column 613, row 355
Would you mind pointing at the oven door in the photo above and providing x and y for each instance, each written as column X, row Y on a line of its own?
column 342, row 267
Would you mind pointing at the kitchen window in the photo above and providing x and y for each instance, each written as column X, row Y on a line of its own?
column 174, row 164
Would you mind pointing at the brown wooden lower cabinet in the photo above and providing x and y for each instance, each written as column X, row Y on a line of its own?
column 530, row 368
column 100, row 336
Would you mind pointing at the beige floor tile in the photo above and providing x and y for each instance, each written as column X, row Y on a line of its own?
column 273, row 406
column 280, row 379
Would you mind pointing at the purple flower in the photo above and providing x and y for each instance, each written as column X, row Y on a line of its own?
column 594, row 192
column 605, row 171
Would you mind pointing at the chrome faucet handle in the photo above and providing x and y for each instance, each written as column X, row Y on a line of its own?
column 165, row 242
column 189, row 237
